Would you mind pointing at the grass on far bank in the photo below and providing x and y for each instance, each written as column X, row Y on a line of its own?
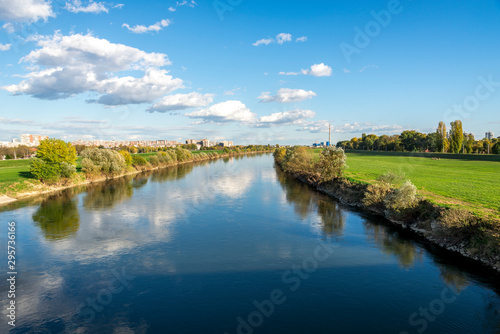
column 444, row 181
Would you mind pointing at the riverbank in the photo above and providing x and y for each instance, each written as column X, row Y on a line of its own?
column 34, row 188
column 457, row 230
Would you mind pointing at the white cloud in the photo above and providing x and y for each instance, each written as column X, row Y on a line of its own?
column 9, row 27
column 265, row 41
column 141, row 29
column 283, row 37
column 67, row 65
column 280, row 39
column 367, row 67
column 75, row 6
column 181, row 102
column 287, row 95
column 288, row 117
column 346, row 70
column 318, row 70
column 172, row 9
column 191, row 3
column 224, row 112
column 5, row 47
column 119, row 6
column 25, row 10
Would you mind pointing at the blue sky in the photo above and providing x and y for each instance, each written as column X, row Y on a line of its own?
column 248, row 71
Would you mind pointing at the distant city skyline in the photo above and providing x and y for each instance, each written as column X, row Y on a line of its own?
column 256, row 72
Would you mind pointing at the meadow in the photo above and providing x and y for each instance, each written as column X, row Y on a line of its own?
column 472, row 181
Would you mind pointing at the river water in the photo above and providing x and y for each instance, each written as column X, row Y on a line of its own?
column 230, row 246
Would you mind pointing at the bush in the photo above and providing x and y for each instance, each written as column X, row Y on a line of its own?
column 44, row 171
column 55, row 159
column 375, row 194
column 154, row 161
column 164, row 158
column 183, row 154
column 127, row 157
column 279, row 154
column 138, row 161
column 102, row 161
column 298, row 160
column 392, row 178
column 67, row 170
column 402, row 198
column 457, row 218
column 331, row 164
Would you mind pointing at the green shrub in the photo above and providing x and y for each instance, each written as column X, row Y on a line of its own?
column 154, row 161
column 392, row 178
column 331, row 164
column 298, row 160
column 44, row 171
column 164, row 158
column 127, row 157
column 138, row 161
column 67, row 170
column 102, row 161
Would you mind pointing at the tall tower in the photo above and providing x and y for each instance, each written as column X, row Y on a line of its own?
column 329, row 135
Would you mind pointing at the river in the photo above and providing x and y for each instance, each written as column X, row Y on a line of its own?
column 230, row 246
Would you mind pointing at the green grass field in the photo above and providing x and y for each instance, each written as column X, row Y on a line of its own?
column 470, row 182
column 12, row 171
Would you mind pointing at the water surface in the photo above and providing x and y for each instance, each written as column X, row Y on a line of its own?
column 231, row 246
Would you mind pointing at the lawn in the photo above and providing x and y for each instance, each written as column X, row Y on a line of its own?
column 12, row 171
column 443, row 180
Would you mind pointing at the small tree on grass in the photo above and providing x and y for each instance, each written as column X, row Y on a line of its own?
column 331, row 164
column 55, row 159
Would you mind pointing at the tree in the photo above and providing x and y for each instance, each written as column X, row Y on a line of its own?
column 412, row 140
column 54, row 159
column 442, row 142
column 331, row 164
column 456, row 136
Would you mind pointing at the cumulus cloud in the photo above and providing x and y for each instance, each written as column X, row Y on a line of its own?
column 25, row 10
column 287, row 117
column 141, row 29
column 5, row 47
column 281, row 39
column 287, row 95
column 317, row 70
column 265, row 41
column 67, row 65
column 225, row 112
column 76, row 6
column 181, row 102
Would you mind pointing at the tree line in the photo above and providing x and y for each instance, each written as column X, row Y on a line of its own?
column 441, row 141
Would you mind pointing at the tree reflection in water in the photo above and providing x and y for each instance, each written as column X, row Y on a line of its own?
column 58, row 216
column 306, row 201
column 107, row 194
column 173, row 173
column 391, row 244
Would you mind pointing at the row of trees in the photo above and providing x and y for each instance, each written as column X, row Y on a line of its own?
column 456, row 141
column 56, row 160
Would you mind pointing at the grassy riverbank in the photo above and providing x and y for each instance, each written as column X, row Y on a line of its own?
column 444, row 179
column 16, row 180
column 455, row 203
